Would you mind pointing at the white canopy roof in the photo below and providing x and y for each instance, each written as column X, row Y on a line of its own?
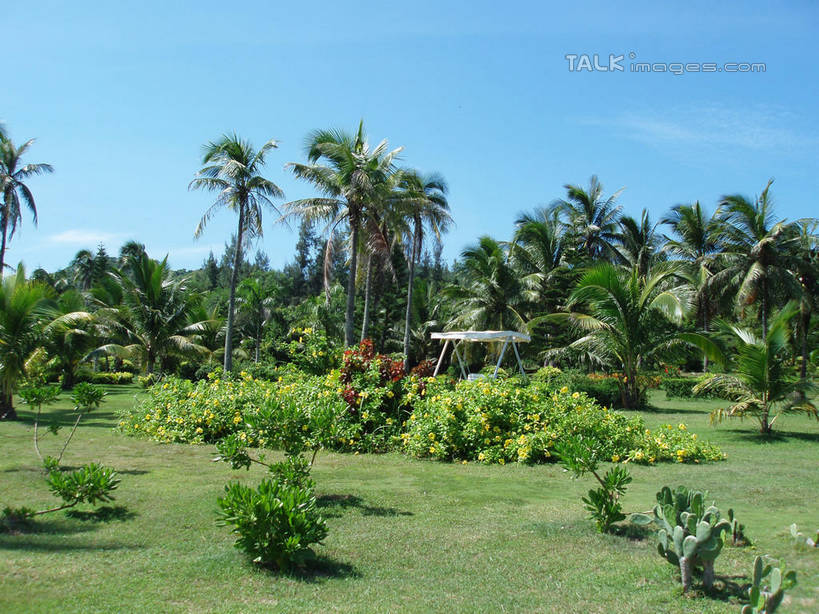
column 483, row 335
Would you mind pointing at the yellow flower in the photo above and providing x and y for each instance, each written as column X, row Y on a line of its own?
column 682, row 426
column 501, row 461
column 432, row 449
column 463, row 462
column 615, row 458
column 237, row 419
column 481, row 456
column 199, row 430
column 432, row 436
column 575, row 395
column 564, row 389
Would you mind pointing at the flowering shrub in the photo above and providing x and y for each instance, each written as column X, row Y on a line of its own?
column 501, row 421
column 370, row 385
column 298, row 411
column 310, row 351
column 205, row 411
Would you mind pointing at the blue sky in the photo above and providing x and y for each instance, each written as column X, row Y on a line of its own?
column 121, row 97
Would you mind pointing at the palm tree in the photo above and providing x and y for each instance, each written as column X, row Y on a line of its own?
column 232, row 169
column 537, row 253
column 255, row 310
column 759, row 385
column 591, row 218
column 22, row 309
column 68, row 337
column 423, row 202
column 755, row 252
column 489, row 291
column 626, row 318
column 158, row 310
column 698, row 243
column 805, row 268
column 13, row 175
column 352, row 176
column 638, row 243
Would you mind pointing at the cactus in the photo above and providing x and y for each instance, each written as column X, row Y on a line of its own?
column 690, row 535
column 765, row 597
column 800, row 539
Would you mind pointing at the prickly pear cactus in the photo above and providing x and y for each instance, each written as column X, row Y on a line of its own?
column 690, row 535
column 768, row 588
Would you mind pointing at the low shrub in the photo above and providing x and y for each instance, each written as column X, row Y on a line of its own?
column 683, row 388
column 275, row 523
column 496, row 421
column 106, row 377
column 310, row 351
column 178, row 410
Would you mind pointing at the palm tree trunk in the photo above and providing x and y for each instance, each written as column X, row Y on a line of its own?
column 764, row 308
column 234, row 275
column 7, row 407
column 803, row 369
column 705, row 332
column 5, row 223
column 410, row 283
column 365, row 324
column 349, row 315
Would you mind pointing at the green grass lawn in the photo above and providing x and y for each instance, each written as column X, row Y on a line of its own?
column 405, row 535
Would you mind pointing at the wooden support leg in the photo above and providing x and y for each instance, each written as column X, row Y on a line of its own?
column 441, row 358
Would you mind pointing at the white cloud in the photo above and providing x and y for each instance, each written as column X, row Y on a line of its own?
column 79, row 236
column 760, row 128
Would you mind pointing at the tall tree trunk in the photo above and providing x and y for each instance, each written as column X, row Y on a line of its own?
column 234, row 276
column 764, row 308
column 805, row 324
column 705, row 331
column 410, row 284
column 7, row 407
column 3, row 228
column 365, row 324
column 349, row 315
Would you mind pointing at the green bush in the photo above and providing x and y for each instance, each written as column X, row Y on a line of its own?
column 683, row 388
column 494, row 421
column 276, row 524
column 310, row 351
column 106, row 377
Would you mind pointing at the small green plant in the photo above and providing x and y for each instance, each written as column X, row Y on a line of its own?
column 800, row 539
column 276, row 523
column 90, row 484
column 580, row 455
column 738, row 537
column 690, row 534
column 768, row 588
column 36, row 397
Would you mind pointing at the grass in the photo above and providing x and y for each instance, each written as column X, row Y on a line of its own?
column 405, row 535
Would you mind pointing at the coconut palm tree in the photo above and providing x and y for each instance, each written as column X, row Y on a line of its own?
column 591, row 218
column 233, row 170
column 756, row 249
column 759, row 384
column 22, row 310
column 804, row 265
column 626, row 318
column 158, row 315
column 13, row 175
column 697, row 242
column 255, row 310
column 68, row 337
column 422, row 201
column 638, row 243
column 352, row 176
column 537, row 252
column 489, row 291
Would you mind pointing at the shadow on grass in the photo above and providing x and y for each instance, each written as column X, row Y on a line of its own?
column 752, row 435
column 32, row 543
column 633, row 532
column 334, row 505
column 65, row 418
column 324, row 568
column 106, row 513
column 727, row 588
